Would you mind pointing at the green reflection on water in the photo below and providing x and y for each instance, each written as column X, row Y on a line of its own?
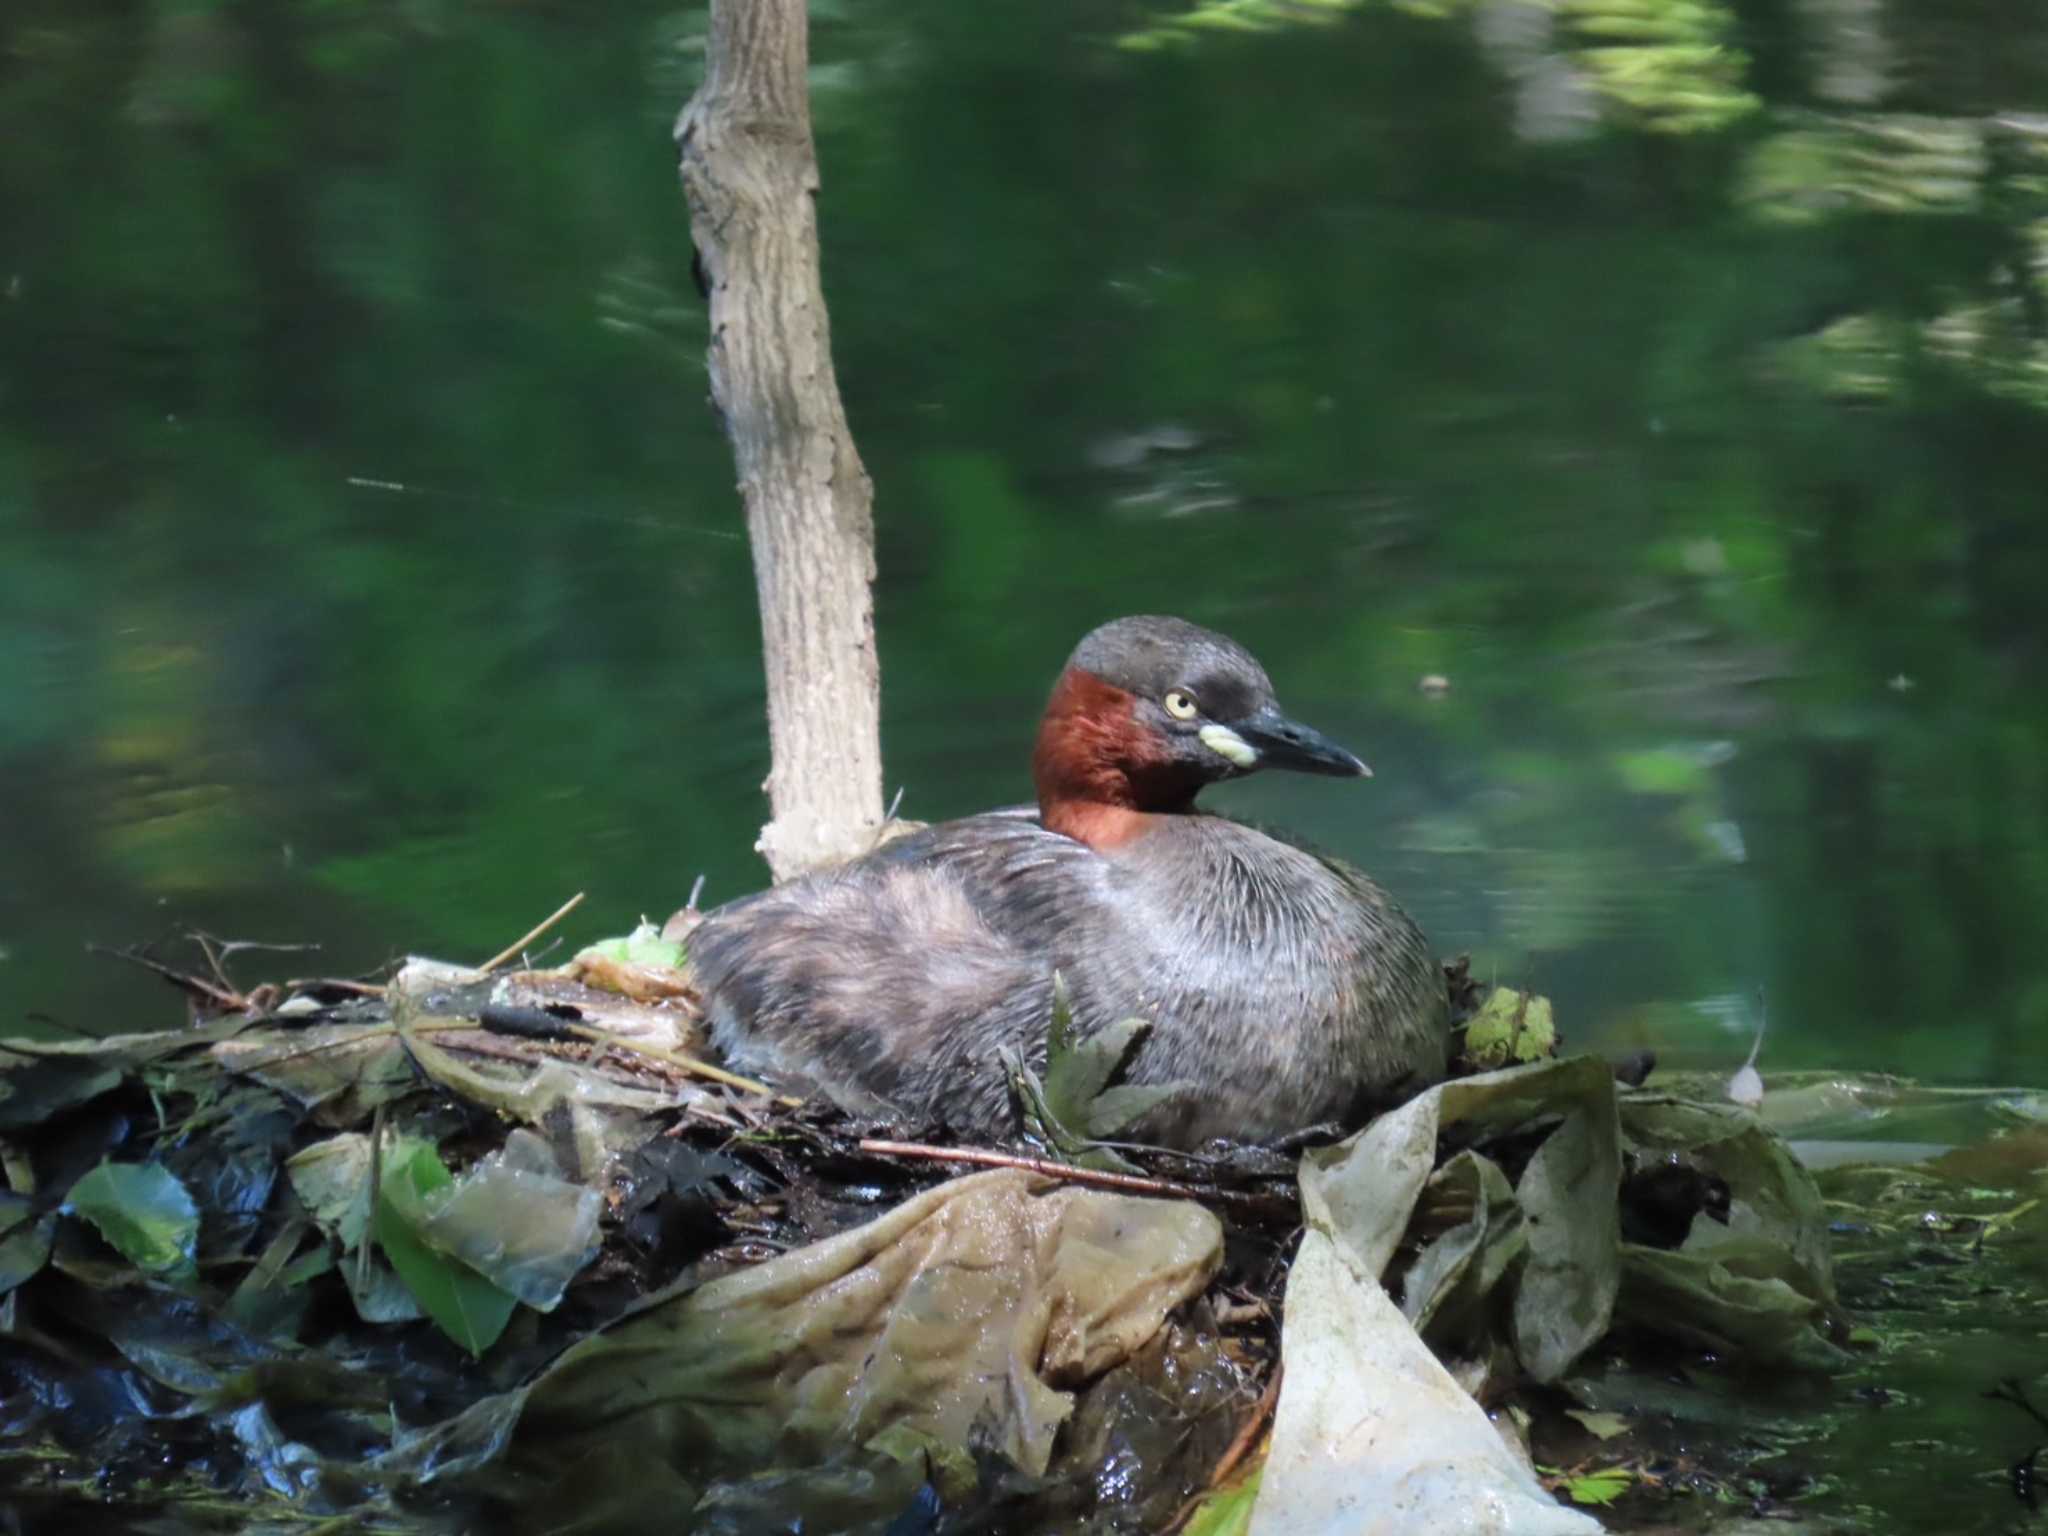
column 366, row 556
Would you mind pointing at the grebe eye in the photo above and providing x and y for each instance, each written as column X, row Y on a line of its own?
column 1180, row 704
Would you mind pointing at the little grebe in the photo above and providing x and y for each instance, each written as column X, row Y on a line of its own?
column 1285, row 988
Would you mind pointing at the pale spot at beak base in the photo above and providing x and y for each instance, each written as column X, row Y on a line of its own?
column 1227, row 744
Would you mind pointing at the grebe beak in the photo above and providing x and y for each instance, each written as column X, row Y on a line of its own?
column 1275, row 741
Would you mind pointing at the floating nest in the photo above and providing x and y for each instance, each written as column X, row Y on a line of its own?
column 493, row 1244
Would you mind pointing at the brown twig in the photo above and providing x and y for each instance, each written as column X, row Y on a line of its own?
column 217, row 950
column 212, row 959
column 1129, row 1183
column 224, row 997
column 525, row 939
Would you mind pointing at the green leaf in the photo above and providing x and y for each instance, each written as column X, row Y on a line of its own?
column 1601, row 1487
column 1510, row 1027
column 1227, row 1511
column 461, row 1302
column 1059, row 1030
column 1604, row 1426
column 1075, row 1101
column 643, row 946
column 1116, row 1110
column 1076, row 1071
column 1043, row 1125
column 146, row 1214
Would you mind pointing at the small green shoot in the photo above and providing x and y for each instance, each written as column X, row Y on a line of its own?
column 1077, row 1105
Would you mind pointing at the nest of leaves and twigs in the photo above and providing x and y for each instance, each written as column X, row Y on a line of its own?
column 493, row 1242
column 245, row 1259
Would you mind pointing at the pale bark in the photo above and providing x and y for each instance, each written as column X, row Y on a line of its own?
column 751, row 171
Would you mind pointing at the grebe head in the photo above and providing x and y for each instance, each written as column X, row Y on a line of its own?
column 1150, row 709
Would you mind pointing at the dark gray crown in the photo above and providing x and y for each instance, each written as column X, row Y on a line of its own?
column 1147, row 654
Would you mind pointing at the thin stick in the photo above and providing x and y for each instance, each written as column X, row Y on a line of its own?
column 233, row 1001
column 678, row 1060
column 1130, row 1183
column 236, row 946
column 212, row 960
column 525, row 939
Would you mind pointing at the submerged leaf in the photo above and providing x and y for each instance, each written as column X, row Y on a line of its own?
column 47, row 1086
column 462, row 1303
column 517, row 1222
column 379, row 1295
column 144, row 1212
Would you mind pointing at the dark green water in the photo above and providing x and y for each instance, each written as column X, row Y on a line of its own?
column 1670, row 378
column 369, row 559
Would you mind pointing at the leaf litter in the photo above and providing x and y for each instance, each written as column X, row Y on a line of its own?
column 476, row 1245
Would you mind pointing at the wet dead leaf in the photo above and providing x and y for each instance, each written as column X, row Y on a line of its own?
column 462, row 1303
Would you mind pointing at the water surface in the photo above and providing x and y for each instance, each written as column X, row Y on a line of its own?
column 370, row 567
